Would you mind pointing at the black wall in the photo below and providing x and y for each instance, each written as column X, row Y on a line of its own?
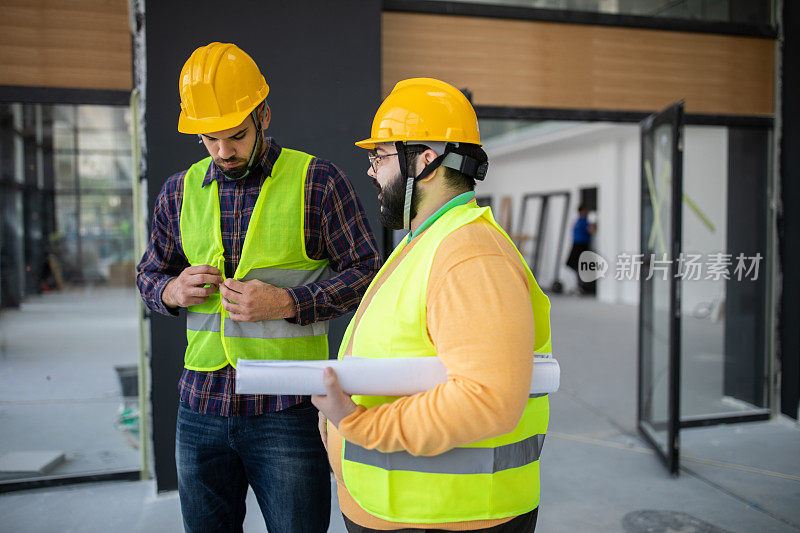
column 748, row 163
column 321, row 60
column 789, row 222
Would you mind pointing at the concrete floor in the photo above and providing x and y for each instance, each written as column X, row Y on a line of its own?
column 597, row 473
column 58, row 387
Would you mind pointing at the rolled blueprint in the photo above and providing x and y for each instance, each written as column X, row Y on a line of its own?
column 401, row 376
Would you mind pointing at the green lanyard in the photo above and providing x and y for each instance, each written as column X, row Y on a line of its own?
column 461, row 199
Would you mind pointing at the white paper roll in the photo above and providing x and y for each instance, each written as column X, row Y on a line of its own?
column 401, row 376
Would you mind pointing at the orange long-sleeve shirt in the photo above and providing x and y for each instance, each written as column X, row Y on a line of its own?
column 479, row 318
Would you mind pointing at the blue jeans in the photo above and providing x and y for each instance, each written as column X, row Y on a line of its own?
column 279, row 454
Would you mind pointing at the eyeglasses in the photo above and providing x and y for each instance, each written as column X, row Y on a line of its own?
column 374, row 159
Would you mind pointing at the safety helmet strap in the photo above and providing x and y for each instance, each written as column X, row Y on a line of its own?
column 468, row 166
column 258, row 122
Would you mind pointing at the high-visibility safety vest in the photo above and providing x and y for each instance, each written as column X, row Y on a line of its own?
column 273, row 252
column 490, row 479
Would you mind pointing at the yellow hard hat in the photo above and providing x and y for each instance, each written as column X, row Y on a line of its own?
column 220, row 85
column 424, row 109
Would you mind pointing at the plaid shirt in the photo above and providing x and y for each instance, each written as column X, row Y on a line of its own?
column 335, row 228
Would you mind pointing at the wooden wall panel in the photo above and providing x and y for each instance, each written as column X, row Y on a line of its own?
column 83, row 44
column 554, row 65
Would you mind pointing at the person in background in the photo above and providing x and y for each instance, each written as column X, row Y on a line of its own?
column 582, row 232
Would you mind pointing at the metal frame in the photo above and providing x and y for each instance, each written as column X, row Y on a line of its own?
column 756, row 414
column 57, row 95
column 675, row 304
column 596, row 115
column 695, row 421
column 58, row 481
column 496, row 11
column 542, row 226
column 671, row 456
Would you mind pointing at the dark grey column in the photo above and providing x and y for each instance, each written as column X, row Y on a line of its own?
column 748, row 153
column 789, row 221
column 32, row 202
column 322, row 63
column 11, row 221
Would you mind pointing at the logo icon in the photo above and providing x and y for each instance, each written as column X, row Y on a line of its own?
column 591, row 266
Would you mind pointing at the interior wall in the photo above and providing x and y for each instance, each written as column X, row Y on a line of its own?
column 607, row 156
column 322, row 62
column 591, row 155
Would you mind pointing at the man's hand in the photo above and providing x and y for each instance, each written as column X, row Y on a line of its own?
column 334, row 404
column 189, row 288
column 254, row 300
column 323, row 430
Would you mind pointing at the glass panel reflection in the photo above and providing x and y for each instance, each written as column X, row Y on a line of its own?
column 722, row 282
column 656, row 245
column 69, row 328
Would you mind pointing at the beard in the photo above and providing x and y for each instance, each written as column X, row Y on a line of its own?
column 392, row 201
column 239, row 171
column 232, row 173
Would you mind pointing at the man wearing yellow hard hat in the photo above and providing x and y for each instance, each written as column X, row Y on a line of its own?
column 262, row 245
column 463, row 456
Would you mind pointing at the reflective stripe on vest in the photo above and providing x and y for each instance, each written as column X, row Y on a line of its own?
column 273, row 252
column 268, row 329
column 196, row 321
column 455, row 461
column 494, row 478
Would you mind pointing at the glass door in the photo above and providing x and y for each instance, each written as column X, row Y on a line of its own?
column 659, row 308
